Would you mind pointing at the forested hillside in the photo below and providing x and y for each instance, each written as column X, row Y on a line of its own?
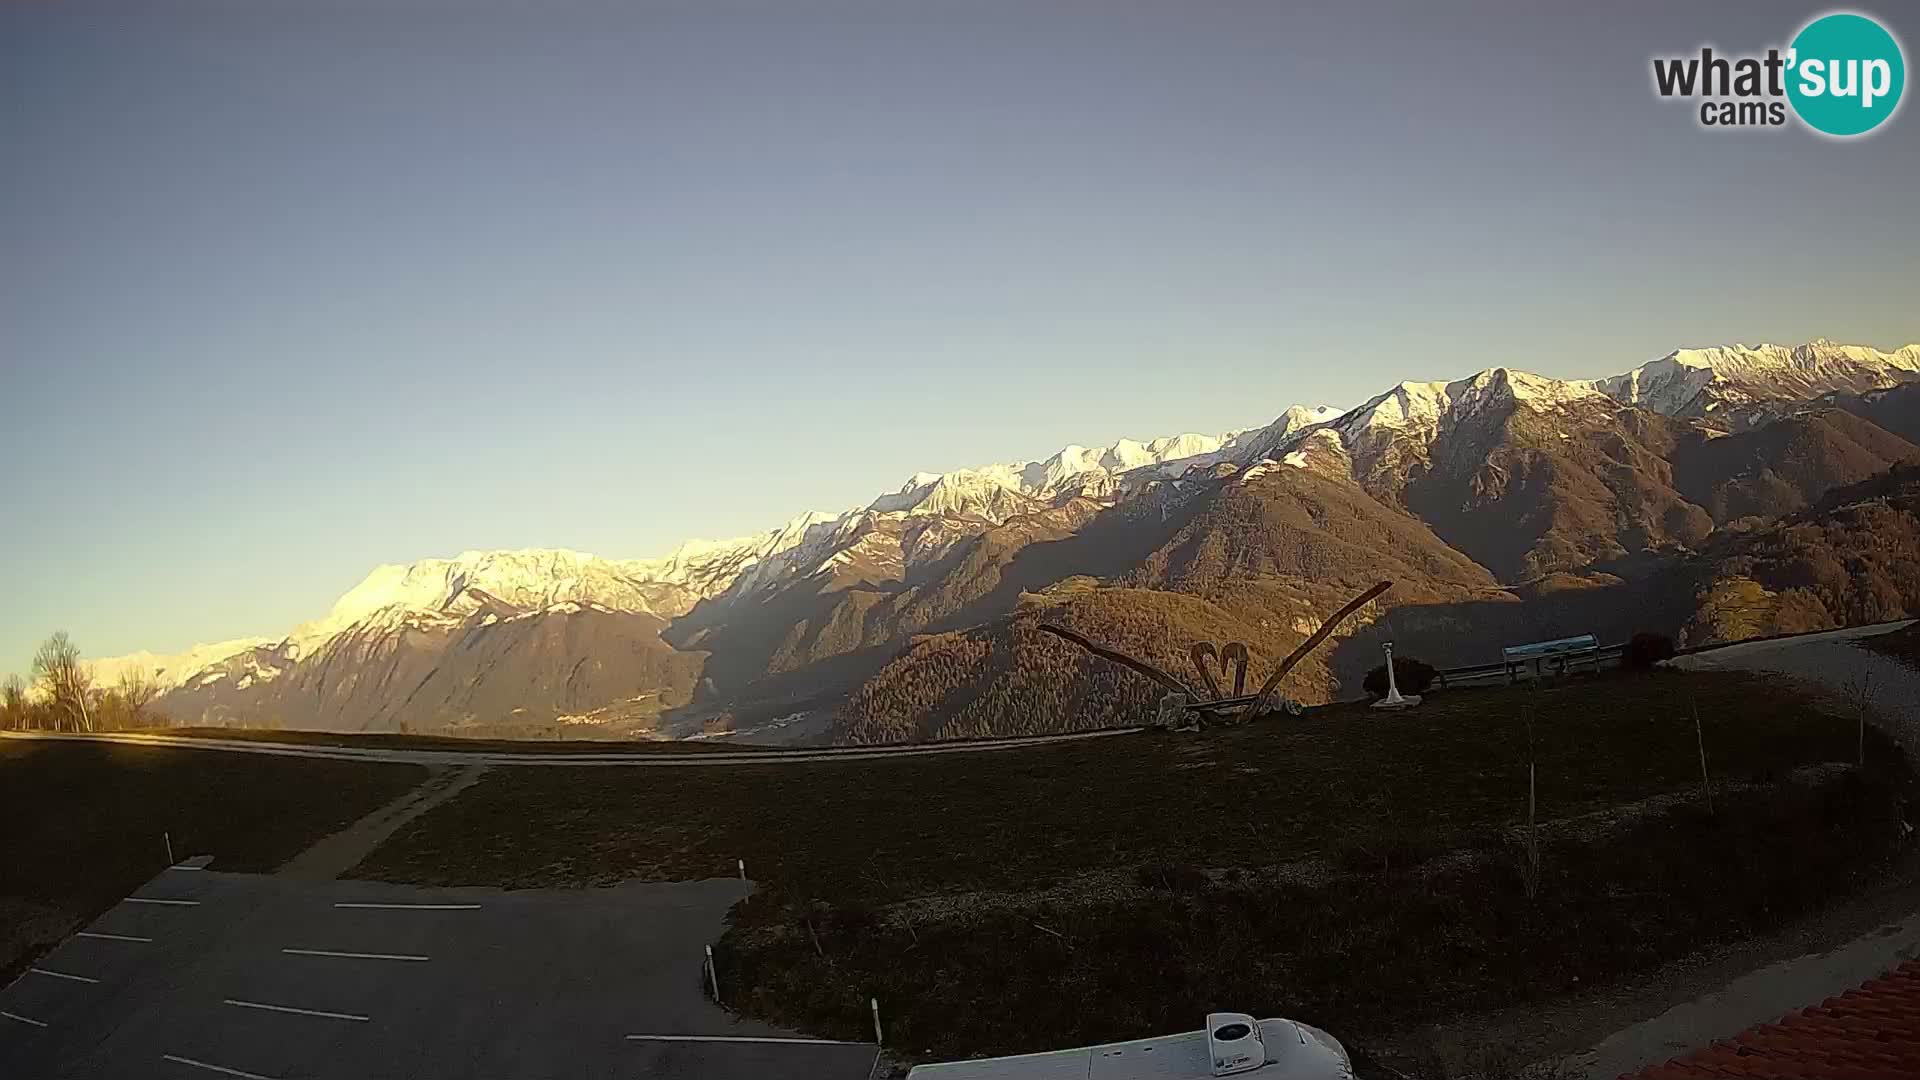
column 1263, row 560
column 1009, row 678
column 1852, row 559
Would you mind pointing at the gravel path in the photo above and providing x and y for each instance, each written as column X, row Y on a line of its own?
column 333, row 856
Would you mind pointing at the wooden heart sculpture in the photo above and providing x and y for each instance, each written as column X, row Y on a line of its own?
column 1234, row 653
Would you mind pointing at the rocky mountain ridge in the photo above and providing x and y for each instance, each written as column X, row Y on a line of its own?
column 1519, row 474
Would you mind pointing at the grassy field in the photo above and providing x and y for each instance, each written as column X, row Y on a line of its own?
column 84, row 823
column 1350, row 868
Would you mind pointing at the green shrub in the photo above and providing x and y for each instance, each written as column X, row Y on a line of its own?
column 1412, row 676
column 1647, row 649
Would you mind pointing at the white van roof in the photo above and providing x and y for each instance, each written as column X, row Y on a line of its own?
column 1294, row 1052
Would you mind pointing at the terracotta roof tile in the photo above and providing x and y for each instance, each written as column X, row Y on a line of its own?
column 1871, row 1033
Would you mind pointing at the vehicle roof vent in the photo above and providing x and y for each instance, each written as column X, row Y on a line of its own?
column 1234, row 1044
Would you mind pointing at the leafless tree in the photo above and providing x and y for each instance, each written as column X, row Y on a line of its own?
column 138, row 688
column 14, row 707
column 65, row 681
column 125, row 705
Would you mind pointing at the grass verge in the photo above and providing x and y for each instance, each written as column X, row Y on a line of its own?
column 84, row 823
column 1348, row 868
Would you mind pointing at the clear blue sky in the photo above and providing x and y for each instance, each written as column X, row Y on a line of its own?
column 291, row 289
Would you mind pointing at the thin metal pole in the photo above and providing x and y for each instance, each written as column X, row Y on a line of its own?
column 1700, row 741
column 168, row 837
column 713, row 975
column 878, row 1040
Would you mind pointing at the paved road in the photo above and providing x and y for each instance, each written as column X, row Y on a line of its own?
column 480, row 983
column 690, row 759
column 1835, row 662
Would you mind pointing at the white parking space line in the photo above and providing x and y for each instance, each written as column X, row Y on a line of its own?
column 62, row 975
column 113, row 937
column 155, row 900
column 185, row 869
column 739, row 1039
column 24, row 1019
column 353, row 955
column 413, row 907
column 298, row 1012
column 221, row 1069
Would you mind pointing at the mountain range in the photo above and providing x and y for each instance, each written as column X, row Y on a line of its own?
column 1502, row 503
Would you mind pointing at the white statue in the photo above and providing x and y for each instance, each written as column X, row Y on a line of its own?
column 1394, row 699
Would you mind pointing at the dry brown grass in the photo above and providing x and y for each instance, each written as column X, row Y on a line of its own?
column 84, row 822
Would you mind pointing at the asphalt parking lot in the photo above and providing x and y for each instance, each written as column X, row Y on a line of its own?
column 203, row 974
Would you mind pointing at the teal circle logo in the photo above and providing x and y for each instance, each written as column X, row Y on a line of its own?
column 1845, row 74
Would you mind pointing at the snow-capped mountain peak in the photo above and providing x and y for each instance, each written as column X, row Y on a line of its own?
column 1425, row 408
column 995, row 492
column 1407, row 406
column 707, row 568
column 1298, row 417
column 695, row 560
column 1696, row 382
column 525, row 579
column 931, row 512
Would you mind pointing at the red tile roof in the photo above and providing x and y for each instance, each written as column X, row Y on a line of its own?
column 1872, row 1033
